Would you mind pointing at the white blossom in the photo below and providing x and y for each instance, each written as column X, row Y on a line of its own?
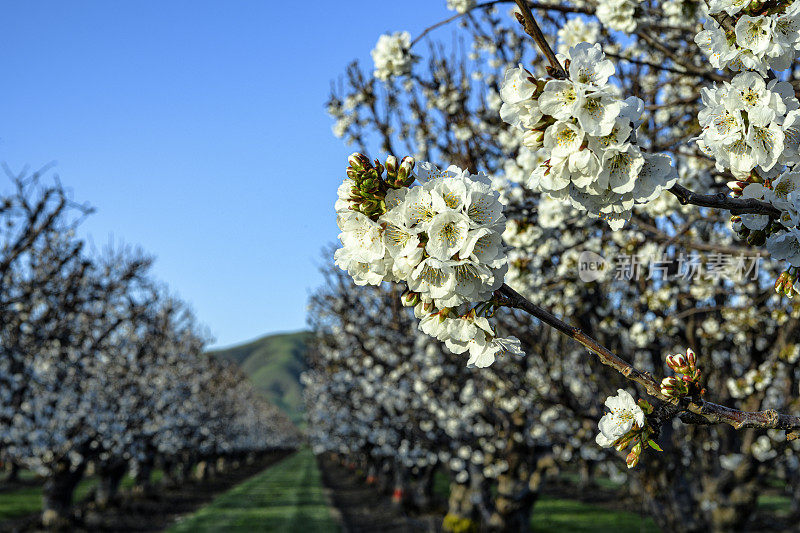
column 623, row 414
column 585, row 138
column 392, row 56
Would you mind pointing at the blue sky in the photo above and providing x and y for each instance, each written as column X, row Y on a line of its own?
column 198, row 131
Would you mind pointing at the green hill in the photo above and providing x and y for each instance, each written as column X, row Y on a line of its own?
column 274, row 364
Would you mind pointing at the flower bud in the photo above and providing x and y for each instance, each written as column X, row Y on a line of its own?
column 533, row 138
column 400, row 176
column 673, row 387
column 633, row 458
column 370, row 182
column 359, row 162
column 678, row 363
column 391, row 167
column 779, row 282
column 736, row 188
column 691, row 358
column 623, row 442
column 405, row 172
column 410, row 299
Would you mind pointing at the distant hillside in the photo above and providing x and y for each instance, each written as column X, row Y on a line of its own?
column 274, row 364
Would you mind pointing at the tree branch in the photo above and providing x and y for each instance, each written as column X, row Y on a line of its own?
column 720, row 201
column 696, row 410
column 533, row 29
column 535, row 5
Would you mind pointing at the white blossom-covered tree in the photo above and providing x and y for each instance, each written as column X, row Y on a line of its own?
column 614, row 153
column 100, row 368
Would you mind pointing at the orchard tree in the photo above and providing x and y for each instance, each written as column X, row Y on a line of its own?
column 101, row 370
column 590, row 184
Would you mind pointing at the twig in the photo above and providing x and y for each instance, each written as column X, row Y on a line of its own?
column 532, row 28
column 535, row 5
column 702, row 412
column 736, row 206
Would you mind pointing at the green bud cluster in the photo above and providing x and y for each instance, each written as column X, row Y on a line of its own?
column 754, row 237
column 787, row 282
column 686, row 382
column 369, row 192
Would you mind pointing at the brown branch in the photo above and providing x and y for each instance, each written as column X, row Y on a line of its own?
column 700, row 410
column 532, row 28
column 704, row 247
column 652, row 65
column 535, row 5
column 720, row 201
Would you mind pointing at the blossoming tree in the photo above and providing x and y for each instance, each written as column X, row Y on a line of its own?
column 100, row 368
column 621, row 145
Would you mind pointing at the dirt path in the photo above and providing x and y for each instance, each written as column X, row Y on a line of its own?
column 363, row 509
column 155, row 512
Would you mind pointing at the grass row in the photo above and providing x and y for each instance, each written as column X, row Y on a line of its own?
column 288, row 497
column 285, row 497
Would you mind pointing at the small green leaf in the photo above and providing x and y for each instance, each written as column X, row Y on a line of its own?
column 655, row 446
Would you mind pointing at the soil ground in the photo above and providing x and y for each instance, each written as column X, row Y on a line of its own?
column 364, row 509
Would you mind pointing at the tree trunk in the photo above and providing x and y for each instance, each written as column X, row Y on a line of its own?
column 586, row 472
column 422, row 489
column 385, row 477
column 108, row 486
column 141, row 479
column 57, row 494
column 12, row 472
column 462, row 516
column 372, row 474
column 708, row 502
column 400, row 486
column 202, row 471
column 514, row 504
column 186, row 471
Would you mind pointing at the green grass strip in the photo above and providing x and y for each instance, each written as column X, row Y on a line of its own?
column 554, row 515
column 285, row 497
column 28, row 500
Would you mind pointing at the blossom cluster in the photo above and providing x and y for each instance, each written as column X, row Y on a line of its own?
column 577, row 30
column 461, row 6
column 585, row 137
column 759, row 40
column 781, row 237
column 752, row 128
column 749, row 123
column 618, row 14
column 442, row 237
column 392, row 56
